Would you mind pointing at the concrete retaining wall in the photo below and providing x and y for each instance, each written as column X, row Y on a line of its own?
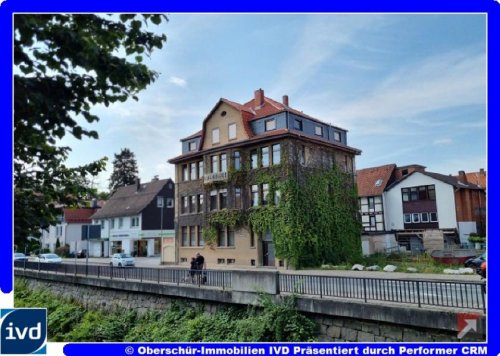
column 338, row 320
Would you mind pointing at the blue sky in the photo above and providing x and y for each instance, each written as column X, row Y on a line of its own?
column 408, row 88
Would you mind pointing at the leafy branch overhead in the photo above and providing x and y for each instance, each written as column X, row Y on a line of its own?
column 64, row 66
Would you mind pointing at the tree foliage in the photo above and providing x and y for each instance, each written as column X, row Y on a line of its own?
column 125, row 170
column 65, row 65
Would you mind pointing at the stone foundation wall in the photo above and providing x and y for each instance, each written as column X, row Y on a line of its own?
column 331, row 328
column 346, row 329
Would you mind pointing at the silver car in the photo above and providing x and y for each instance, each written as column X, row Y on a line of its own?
column 122, row 260
column 18, row 256
column 48, row 258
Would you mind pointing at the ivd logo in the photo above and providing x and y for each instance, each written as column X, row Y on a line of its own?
column 23, row 331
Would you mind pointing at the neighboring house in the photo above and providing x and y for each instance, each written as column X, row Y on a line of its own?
column 69, row 228
column 418, row 210
column 48, row 239
column 74, row 219
column 136, row 218
column 477, row 200
column 223, row 167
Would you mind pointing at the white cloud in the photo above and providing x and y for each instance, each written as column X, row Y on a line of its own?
column 180, row 82
column 443, row 141
column 321, row 39
column 440, row 82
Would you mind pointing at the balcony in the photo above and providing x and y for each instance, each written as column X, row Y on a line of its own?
column 215, row 177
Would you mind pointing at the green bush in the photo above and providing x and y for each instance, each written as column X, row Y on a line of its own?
column 474, row 238
column 72, row 322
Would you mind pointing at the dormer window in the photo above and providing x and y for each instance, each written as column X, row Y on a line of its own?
column 192, row 146
column 215, row 135
column 270, row 125
column 297, row 124
column 318, row 130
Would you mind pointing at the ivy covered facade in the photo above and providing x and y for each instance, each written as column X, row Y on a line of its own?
column 263, row 184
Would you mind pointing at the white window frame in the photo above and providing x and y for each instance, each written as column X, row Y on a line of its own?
column 422, row 217
column 170, row 203
column 318, row 130
column 336, row 136
column 407, row 218
column 134, row 221
column 231, row 131
column 192, row 146
column 215, row 135
column 415, row 218
column 270, row 125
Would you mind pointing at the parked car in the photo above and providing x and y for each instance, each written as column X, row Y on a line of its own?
column 122, row 260
column 475, row 262
column 81, row 253
column 48, row 258
column 18, row 256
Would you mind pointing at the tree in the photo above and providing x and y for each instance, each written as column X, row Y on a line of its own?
column 65, row 65
column 125, row 170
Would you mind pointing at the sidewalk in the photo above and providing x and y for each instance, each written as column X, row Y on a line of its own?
column 154, row 262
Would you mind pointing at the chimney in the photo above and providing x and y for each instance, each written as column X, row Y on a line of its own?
column 93, row 203
column 137, row 184
column 285, row 100
column 155, row 178
column 259, row 98
column 461, row 174
column 481, row 171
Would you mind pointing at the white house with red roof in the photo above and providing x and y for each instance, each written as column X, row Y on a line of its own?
column 69, row 228
column 408, row 207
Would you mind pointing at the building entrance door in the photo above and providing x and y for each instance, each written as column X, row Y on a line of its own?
column 268, row 253
column 140, row 248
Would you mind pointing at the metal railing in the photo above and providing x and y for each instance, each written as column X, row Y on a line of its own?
column 467, row 295
column 452, row 294
column 211, row 278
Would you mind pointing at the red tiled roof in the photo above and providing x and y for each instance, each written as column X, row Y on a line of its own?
column 368, row 177
column 477, row 178
column 78, row 215
column 250, row 111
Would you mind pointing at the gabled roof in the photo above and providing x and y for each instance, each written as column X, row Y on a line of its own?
column 251, row 111
column 78, row 215
column 127, row 201
column 478, row 178
column 452, row 181
column 372, row 181
column 441, row 177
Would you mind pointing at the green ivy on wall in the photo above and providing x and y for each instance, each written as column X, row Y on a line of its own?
column 315, row 222
column 218, row 219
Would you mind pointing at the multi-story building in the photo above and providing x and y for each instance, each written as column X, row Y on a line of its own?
column 227, row 165
column 415, row 209
column 138, row 219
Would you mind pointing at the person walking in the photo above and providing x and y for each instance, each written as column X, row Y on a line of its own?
column 193, row 268
column 200, row 263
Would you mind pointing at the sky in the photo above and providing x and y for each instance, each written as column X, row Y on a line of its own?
column 409, row 88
